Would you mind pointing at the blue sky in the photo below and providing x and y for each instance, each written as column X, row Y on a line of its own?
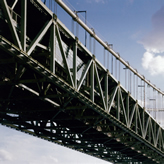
column 135, row 28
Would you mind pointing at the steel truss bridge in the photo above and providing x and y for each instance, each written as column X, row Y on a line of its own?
column 54, row 88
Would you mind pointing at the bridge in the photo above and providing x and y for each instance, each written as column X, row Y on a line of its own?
column 53, row 87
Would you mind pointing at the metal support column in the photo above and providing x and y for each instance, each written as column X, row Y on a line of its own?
column 106, row 89
column 143, row 120
column 118, row 103
column 92, row 81
column 53, row 47
column 23, row 23
column 136, row 120
column 75, row 62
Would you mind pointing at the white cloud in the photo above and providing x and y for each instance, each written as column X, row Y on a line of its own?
column 44, row 160
column 130, row 1
column 154, row 64
column 97, row 1
column 135, row 35
column 5, row 155
column 54, row 159
column 153, row 43
column 154, row 40
column 147, row 59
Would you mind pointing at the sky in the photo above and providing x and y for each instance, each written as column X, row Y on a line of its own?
column 135, row 28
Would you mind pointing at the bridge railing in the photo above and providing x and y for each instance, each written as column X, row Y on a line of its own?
column 147, row 94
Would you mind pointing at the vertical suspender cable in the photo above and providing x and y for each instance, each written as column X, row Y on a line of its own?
column 51, row 5
column 141, row 94
column 90, row 43
column 137, row 87
column 72, row 25
column 119, row 70
column 77, row 29
column 161, row 107
column 148, row 97
column 56, row 7
column 85, row 30
column 128, row 74
column 130, row 82
column 144, row 93
column 104, row 57
column 153, row 104
column 94, row 46
column 125, row 78
column 107, row 59
column 112, row 64
column 116, row 67
column 158, row 105
column 134, row 84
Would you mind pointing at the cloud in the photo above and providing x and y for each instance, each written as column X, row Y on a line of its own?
column 153, row 43
column 135, row 35
column 55, row 160
column 130, row 1
column 44, row 160
column 154, row 40
column 5, row 156
column 154, row 64
column 96, row 1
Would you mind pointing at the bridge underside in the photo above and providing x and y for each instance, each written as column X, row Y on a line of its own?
column 74, row 123
column 37, row 96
